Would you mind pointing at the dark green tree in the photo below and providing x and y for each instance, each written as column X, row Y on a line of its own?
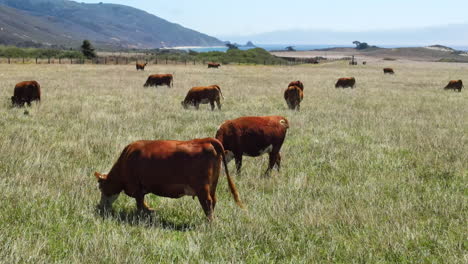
column 290, row 48
column 232, row 46
column 360, row 45
column 88, row 50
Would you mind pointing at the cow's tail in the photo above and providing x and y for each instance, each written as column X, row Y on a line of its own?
column 221, row 93
column 232, row 187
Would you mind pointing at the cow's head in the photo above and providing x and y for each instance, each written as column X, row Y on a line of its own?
column 109, row 191
column 184, row 104
column 16, row 101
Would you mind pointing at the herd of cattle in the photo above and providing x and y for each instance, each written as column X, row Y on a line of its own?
column 171, row 168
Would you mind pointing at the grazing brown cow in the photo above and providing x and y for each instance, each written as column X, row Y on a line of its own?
column 167, row 168
column 159, row 79
column 388, row 71
column 26, row 92
column 346, row 82
column 293, row 96
column 298, row 84
column 454, row 85
column 213, row 65
column 141, row 66
column 203, row 95
column 253, row 136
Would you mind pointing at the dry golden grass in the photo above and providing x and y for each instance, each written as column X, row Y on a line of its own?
column 376, row 174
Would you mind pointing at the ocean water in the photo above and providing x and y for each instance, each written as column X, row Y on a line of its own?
column 271, row 47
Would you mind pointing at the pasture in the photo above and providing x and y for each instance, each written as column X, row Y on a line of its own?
column 375, row 174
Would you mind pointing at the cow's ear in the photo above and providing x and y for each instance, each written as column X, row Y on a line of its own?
column 100, row 176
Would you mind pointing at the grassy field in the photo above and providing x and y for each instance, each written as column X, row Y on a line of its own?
column 377, row 174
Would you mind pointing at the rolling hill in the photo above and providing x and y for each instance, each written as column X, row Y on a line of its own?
column 67, row 23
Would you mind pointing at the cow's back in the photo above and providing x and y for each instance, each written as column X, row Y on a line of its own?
column 27, row 91
column 252, row 134
column 298, row 84
column 160, row 162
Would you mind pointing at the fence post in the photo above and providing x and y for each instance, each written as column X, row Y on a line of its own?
column 36, row 60
column 48, row 60
column 60, row 60
column 186, row 62
column 23, row 60
column 126, row 60
column 166, row 60
column 8, row 60
column 71, row 60
column 105, row 60
column 116, row 60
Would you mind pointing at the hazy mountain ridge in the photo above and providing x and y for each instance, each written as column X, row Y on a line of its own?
column 66, row 23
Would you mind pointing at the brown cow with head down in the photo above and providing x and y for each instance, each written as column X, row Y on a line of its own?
column 298, row 84
column 26, row 92
column 293, row 96
column 159, row 79
column 213, row 65
column 454, row 85
column 253, row 136
column 141, row 66
column 388, row 71
column 346, row 82
column 167, row 168
column 203, row 95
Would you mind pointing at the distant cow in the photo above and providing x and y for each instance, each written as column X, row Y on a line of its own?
column 213, row 65
column 26, row 92
column 167, row 168
column 346, row 82
column 203, row 95
column 298, row 84
column 293, row 96
column 159, row 79
column 253, row 136
column 141, row 66
column 388, row 71
column 364, row 62
column 454, row 85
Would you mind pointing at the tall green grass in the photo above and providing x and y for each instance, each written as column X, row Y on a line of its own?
column 377, row 174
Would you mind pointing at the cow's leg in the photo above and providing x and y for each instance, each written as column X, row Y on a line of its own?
column 298, row 106
column 218, row 103
column 197, row 105
column 238, row 158
column 141, row 204
column 213, row 196
column 212, row 105
column 278, row 161
column 206, row 201
column 273, row 159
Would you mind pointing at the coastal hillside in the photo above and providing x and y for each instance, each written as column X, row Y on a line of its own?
column 436, row 53
column 66, row 23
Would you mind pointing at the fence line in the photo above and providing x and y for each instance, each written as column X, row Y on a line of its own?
column 118, row 60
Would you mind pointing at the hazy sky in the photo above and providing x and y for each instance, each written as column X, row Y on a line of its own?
column 243, row 17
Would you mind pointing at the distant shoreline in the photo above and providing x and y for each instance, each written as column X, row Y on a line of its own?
column 192, row 47
column 302, row 47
